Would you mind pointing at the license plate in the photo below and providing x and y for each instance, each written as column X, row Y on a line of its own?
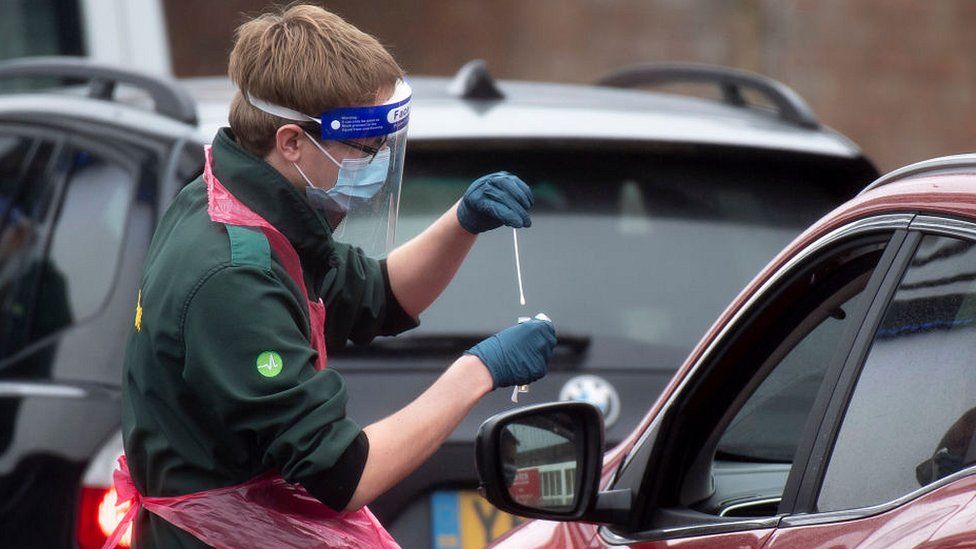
column 465, row 520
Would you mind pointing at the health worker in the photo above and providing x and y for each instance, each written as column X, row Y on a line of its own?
column 234, row 425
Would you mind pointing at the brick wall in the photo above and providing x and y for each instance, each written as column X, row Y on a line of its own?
column 896, row 76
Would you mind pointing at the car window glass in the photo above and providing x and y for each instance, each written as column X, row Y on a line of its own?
column 13, row 153
column 68, row 280
column 26, row 194
column 87, row 239
column 39, row 28
column 912, row 417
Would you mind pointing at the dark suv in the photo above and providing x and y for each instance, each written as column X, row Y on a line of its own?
column 652, row 211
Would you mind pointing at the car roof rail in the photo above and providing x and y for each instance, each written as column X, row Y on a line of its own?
column 925, row 167
column 474, row 82
column 789, row 105
column 169, row 98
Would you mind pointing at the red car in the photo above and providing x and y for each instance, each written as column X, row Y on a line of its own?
column 833, row 404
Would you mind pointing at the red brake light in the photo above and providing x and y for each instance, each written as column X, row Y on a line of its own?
column 98, row 516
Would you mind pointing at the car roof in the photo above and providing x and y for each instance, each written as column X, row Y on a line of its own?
column 954, row 164
column 75, row 110
column 473, row 106
column 533, row 110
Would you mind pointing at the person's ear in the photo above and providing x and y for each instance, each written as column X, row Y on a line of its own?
column 289, row 142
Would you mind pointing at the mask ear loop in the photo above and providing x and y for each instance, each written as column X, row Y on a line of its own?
column 325, row 152
column 305, row 177
column 321, row 148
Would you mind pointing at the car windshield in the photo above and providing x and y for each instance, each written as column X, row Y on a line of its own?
column 633, row 253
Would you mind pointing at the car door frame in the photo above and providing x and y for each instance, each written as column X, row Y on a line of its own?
column 805, row 512
column 644, row 451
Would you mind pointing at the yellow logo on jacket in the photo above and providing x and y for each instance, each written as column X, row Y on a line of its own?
column 138, row 321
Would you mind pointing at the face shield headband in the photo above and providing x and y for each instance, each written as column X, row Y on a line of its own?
column 346, row 123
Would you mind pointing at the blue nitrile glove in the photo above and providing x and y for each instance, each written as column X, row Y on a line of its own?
column 494, row 200
column 517, row 355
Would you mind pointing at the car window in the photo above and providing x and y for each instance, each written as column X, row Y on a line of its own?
column 912, row 417
column 728, row 442
column 26, row 195
column 757, row 447
column 40, row 28
column 633, row 251
column 768, row 426
column 14, row 151
column 67, row 277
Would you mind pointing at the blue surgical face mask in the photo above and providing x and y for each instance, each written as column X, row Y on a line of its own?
column 360, row 179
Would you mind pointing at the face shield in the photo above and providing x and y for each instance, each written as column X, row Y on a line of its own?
column 363, row 205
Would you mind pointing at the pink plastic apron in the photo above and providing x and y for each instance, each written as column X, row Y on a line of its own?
column 268, row 510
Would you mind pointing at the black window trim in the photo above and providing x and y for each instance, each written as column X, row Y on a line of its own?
column 805, row 512
column 897, row 225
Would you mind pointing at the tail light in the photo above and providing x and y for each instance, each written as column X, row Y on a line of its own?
column 97, row 514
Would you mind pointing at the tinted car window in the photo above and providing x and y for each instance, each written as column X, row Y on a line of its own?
column 633, row 251
column 49, row 27
column 66, row 278
column 13, row 155
column 911, row 418
column 26, row 195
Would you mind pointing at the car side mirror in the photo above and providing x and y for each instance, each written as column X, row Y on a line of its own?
column 544, row 461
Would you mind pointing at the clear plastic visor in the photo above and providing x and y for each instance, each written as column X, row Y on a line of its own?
column 363, row 206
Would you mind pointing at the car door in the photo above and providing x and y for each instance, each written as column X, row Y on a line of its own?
column 721, row 464
column 78, row 214
column 894, row 463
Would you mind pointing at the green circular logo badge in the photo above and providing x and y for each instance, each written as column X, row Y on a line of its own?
column 269, row 364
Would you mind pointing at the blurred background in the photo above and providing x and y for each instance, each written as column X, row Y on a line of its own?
column 896, row 76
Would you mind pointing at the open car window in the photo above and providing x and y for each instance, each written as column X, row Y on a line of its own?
column 728, row 444
column 768, row 426
column 757, row 447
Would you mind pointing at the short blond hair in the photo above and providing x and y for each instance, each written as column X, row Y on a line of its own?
column 307, row 59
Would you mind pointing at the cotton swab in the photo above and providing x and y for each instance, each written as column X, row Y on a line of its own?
column 518, row 274
column 518, row 268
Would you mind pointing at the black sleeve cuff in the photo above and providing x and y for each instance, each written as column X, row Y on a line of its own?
column 396, row 319
column 336, row 485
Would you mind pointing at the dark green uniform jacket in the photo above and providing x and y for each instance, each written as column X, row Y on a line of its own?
column 197, row 412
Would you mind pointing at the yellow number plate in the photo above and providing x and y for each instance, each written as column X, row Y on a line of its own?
column 465, row 520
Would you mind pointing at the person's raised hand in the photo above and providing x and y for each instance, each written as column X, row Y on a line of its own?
column 494, row 200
